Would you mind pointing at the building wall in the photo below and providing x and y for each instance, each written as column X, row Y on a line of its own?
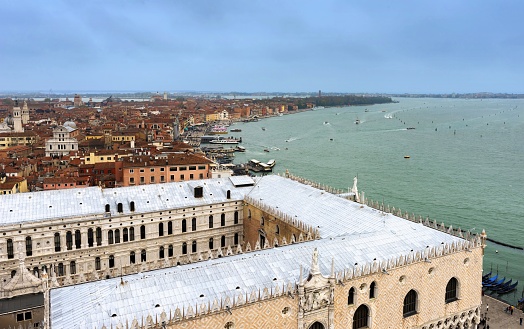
column 163, row 174
column 42, row 237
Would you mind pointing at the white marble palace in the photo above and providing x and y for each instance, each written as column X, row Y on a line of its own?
column 235, row 252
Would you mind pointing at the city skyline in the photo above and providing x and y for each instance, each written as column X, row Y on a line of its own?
column 224, row 46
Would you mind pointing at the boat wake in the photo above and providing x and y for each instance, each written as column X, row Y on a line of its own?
column 291, row 139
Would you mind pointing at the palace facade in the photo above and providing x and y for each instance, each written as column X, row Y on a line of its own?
column 235, row 252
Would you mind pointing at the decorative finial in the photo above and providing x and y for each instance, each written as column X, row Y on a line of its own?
column 314, row 263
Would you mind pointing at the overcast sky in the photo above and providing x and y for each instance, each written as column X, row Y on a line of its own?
column 388, row 46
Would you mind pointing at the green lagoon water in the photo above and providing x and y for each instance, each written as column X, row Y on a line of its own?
column 466, row 165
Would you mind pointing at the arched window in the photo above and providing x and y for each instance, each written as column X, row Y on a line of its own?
column 161, row 253
column 90, row 237
column 317, row 325
column 184, row 248
column 223, row 241
column 351, row 296
column 143, row 255
column 262, row 220
column 108, row 208
column 193, row 224
column 169, row 228
column 210, row 243
column 111, row 261
column 72, row 267
column 249, row 213
column 117, row 236
column 451, row 290
column 97, row 264
column 361, row 317
column 110, row 238
column 119, row 207
column 78, row 239
column 28, row 246
column 131, row 234
column 235, row 218
column 142, row 232
column 277, row 230
column 125, row 235
column 372, row 290
column 170, row 251
column 184, row 225
column 98, row 236
column 132, row 257
column 410, row 304
column 160, row 229
column 57, row 241
column 132, row 205
column 222, row 219
column 235, row 241
column 69, row 240
column 228, row 194
column 194, row 246
column 210, row 221
column 60, row 269
column 10, row 249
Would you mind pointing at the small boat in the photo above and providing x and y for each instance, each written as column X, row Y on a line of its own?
column 357, row 121
column 271, row 163
column 486, row 276
column 407, row 156
column 410, row 128
column 508, row 289
column 264, row 128
column 366, row 110
column 236, row 130
column 240, row 149
column 266, row 150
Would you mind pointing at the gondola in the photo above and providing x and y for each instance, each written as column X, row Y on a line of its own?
column 486, row 276
column 494, row 284
column 501, row 286
column 508, row 289
column 490, row 280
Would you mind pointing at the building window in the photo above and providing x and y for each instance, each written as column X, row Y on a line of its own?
column 170, row 251
column 125, row 235
column 410, row 304
column 132, row 180
column 161, row 253
column 28, row 246
column 97, row 264
column 72, row 268
column 120, row 207
column 90, row 237
column 194, row 247
column 131, row 234
column 236, row 239
column 142, row 232
column 223, row 241
column 160, row 229
column 108, row 208
column 25, row 316
column 277, row 230
column 222, row 219
column 57, row 241
column 184, row 226
column 132, row 257
column 210, row 243
column 169, row 228
column 181, row 177
column 262, row 220
column 184, row 248
column 210, row 221
column 10, row 250
column 132, row 206
column 69, row 240
column 360, row 319
column 451, row 290
column 351, row 296
column 111, row 261
column 191, row 176
column 249, row 213
column 152, row 179
column 98, row 236
column 372, row 290
column 110, row 238
column 60, row 269
column 117, row 236
column 78, row 239
column 193, row 224
column 236, row 218
column 143, row 255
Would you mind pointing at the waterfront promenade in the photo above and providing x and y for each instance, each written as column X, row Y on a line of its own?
column 497, row 317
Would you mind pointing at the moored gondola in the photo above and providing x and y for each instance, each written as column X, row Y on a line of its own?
column 494, row 284
column 510, row 288
column 501, row 286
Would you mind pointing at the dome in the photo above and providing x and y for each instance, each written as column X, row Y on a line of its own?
column 9, row 120
column 70, row 124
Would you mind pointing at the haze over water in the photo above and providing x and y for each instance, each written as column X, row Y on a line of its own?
column 466, row 165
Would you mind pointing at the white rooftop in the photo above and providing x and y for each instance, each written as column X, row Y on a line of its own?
column 350, row 234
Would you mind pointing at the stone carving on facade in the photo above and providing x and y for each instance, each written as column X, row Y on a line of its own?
column 316, row 296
